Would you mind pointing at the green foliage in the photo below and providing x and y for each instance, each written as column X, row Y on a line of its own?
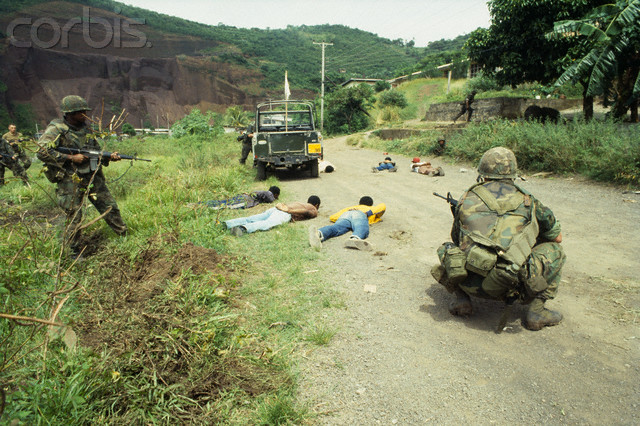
column 156, row 313
column 21, row 114
column 198, row 124
column 610, row 64
column 128, row 129
column 515, row 49
column 603, row 151
column 393, row 98
column 482, row 83
column 274, row 50
column 381, row 85
column 321, row 335
column 347, row 109
column 235, row 116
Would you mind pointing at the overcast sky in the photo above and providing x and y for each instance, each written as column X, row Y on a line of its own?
column 419, row 20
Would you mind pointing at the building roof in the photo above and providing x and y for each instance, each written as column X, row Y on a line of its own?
column 360, row 80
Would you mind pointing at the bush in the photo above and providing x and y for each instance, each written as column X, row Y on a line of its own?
column 197, row 123
column 128, row 129
column 482, row 83
column 393, row 98
column 381, row 85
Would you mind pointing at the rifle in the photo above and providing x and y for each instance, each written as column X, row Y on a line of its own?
column 7, row 156
column 93, row 153
column 452, row 201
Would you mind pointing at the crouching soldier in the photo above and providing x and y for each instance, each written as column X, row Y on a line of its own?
column 506, row 246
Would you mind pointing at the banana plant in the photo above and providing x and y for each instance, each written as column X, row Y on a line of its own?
column 612, row 61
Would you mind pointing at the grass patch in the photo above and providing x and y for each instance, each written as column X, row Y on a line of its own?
column 179, row 322
column 321, row 335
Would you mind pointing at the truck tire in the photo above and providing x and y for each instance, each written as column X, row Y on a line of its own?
column 261, row 167
column 313, row 166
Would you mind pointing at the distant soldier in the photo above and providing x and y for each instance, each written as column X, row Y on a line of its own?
column 245, row 137
column 75, row 174
column 9, row 159
column 506, row 245
column 439, row 149
column 16, row 140
column 466, row 107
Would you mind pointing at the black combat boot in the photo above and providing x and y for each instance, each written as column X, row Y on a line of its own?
column 538, row 316
column 461, row 306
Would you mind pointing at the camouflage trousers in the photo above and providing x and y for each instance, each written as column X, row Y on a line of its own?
column 539, row 277
column 246, row 149
column 71, row 195
column 15, row 167
column 23, row 158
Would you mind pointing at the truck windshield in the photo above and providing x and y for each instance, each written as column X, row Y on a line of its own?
column 281, row 120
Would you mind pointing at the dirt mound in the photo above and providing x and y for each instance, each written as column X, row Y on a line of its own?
column 156, row 316
column 131, row 289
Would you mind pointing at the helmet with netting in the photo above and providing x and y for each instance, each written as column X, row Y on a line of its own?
column 498, row 163
column 74, row 103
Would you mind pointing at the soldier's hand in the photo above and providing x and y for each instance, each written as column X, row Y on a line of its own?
column 115, row 156
column 77, row 158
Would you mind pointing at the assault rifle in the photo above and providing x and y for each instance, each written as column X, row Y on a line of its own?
column 7, row 156
column 95, row 154
column 452, row 201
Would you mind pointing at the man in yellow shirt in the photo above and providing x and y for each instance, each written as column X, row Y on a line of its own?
column 356, row 219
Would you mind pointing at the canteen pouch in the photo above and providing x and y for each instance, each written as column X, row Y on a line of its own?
column 481, row 260
column 454, row 263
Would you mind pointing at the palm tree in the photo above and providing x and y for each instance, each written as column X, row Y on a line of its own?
column 611, row 63
column 235, row 116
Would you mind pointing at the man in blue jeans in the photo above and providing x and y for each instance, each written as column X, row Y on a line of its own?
column 355, row 218
column 281, row 213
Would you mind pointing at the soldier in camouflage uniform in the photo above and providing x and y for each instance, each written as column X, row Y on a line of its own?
column 77, row 177
column 9, row 159
column 16, row 140
column 245, row 138
column 506, row 245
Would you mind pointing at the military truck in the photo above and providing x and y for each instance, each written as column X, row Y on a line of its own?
column 285, row 136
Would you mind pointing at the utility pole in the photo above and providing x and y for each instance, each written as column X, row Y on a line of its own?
column 323, row 44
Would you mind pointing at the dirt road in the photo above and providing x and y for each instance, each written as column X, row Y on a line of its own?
column 399, row 357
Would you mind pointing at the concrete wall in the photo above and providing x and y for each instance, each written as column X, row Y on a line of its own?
column 391, row 134
column 492, row 108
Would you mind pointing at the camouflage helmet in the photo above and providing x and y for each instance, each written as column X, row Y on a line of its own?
column 498, row 163
column 74, row 103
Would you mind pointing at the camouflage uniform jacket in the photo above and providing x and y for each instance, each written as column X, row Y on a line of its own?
column 59, row 133
column 14, row 140
column 473, row 215
column 6, row 149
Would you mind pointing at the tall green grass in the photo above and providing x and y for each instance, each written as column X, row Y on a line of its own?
column 178, row 322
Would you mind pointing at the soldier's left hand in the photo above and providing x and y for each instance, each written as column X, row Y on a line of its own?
column 115, row 156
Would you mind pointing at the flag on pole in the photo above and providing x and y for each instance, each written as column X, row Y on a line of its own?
column 287, row 91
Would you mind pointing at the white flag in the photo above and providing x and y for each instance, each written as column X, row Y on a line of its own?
column 287, row 92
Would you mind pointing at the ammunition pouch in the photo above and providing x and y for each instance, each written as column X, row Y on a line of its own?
column 481, row 260
column 454, row 263
column 93, row 163
column 440, row 274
